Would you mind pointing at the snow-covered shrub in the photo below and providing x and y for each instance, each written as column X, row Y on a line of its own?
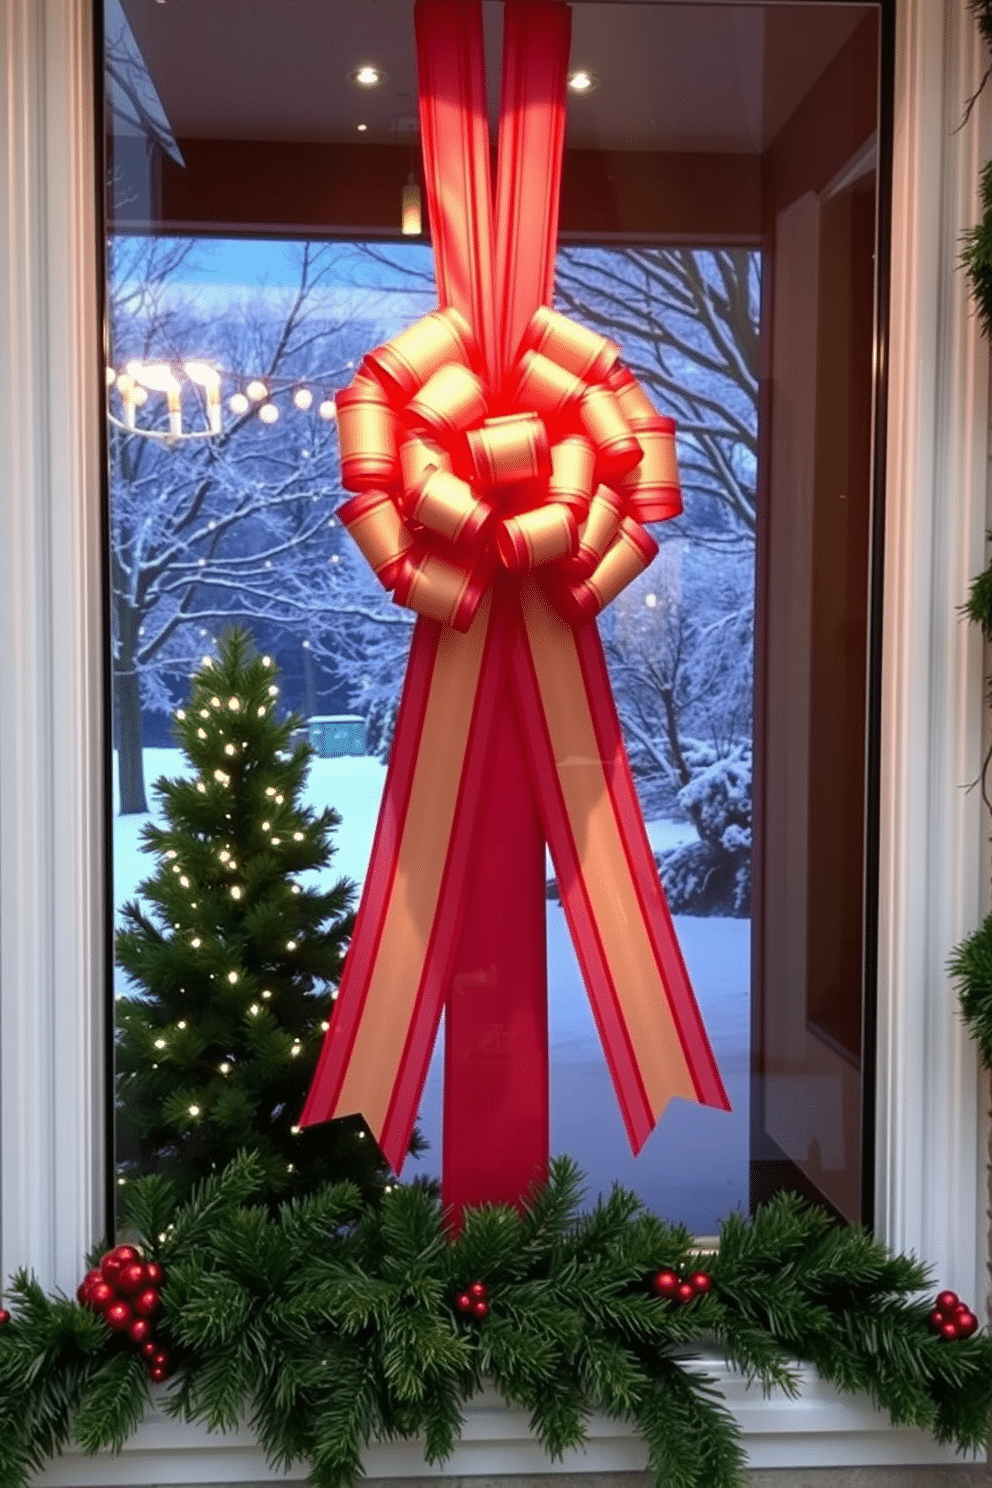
column 713, row 876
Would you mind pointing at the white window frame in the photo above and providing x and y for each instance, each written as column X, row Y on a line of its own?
column 931, row 1135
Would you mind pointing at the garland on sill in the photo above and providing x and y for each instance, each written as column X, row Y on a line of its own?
column 330, row 1324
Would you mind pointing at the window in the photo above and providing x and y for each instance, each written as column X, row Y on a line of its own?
column 725, row 236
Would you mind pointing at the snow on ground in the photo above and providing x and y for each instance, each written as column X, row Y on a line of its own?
column 694, row 1167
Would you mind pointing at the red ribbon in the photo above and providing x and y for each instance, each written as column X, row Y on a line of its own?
column 492, row 440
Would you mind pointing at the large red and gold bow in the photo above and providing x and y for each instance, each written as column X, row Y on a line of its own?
column 451, row 490
column 504, row 463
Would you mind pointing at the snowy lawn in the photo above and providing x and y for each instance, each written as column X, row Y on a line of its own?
column 695, row 1166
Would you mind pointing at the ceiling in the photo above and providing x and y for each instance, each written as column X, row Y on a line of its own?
column 684, row 77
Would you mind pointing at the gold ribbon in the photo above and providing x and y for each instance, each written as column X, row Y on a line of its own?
column 449, row 487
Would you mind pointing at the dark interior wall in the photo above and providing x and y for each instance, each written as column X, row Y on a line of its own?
column 297, row 189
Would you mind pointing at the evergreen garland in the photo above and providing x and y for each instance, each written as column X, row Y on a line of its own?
column 330, row 1323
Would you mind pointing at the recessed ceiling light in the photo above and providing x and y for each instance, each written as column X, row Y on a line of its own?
column 368, row 76
column 582, row 81
column 362, row 128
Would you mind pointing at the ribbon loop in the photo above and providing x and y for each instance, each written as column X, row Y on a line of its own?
column 546, row 486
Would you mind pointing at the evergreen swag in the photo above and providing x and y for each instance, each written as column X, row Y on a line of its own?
column 331, row 1323
column 234, row 952
column 971, row 963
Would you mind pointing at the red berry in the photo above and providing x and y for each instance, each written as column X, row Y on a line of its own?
column 665, row 1283
column 87, row 1284
column 126, row 1253
column 149, row 1348
column 948, row 1301
column 132, row 1277
column 937, row 1319
column 101, row 1295
column 4, row 1317
column 147, row 1303
column 161, row 1360
column 700, row 1282
column 478, row 1291
column 139, row 1330
column 118, row 1317
column 464, row 1302
column 111, row 1266
column 480, row 1308
column 949, row 1331
column 154, row 1273
column 158, row 1373
column 685, row 1291
column 966, row 1321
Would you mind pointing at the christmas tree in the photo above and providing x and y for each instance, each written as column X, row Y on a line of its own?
column 235, row 950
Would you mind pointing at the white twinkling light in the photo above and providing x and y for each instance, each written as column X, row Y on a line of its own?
column 325, row 1026
column 196, row 942
column 297, row 836
column 184, row 880
column 270, row 790
column 224, row 856
column 232, row 977
column 266, row 660
column 257, row 390
column 204, row 712
column 201, row 787
column 254, row 1010
column 181, row 714
column 230, row 749
column 297, row 889
column 234, row 704
column 279, row 800
column 172, row 853
column 201, row 733
column 238, row 403
column 221, row 777
column 207, row 661
column 194, row 1110
column 215, row 702
column 266, row 994
column 265, row 826
column 235, row 891
column 273, row 690
column 160, row 1043
column 295, row 1131
column 291, row 945
column 262, row 711
column 303, row 398
column 268, row 413
column 275, row 841
column 181, row 1023
column 650, row 600
column 224, row 1068
column 328, row 410
column 296, row 1049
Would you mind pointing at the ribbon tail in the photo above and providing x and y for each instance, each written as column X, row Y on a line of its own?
column 376, row 1053
column 648, row 1020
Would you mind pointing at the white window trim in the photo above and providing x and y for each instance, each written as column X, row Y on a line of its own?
column 931, row 1124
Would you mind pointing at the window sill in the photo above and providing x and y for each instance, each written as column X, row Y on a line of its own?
column 820, row 1428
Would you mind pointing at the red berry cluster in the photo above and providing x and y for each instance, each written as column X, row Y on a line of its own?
column 680, row 1290
column 126, row 1291
column 475, row 1300
column 4, row 1316
column 951, row 1318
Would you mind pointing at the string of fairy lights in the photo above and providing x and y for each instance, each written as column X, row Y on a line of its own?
column 199, row 398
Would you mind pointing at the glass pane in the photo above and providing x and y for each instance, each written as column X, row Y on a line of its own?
column 718, row 219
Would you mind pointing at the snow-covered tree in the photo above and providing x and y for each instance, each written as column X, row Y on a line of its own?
column 240, row 526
